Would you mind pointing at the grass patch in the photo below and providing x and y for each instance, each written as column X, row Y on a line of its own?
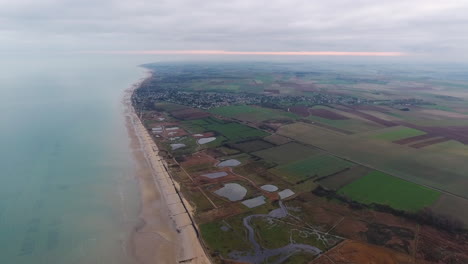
column 235, row 131
column 252, row 145
column 315, row 166
column 231, row 131
column 400, row 133
column 224, row 241
column 380, row 188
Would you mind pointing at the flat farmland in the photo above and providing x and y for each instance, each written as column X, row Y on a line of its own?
column 399, row 133
column 231, row 131
column 169, row 107
column 453, row 206
column 236, row 131
column 316, row 166
column 189, row 114
column 286, row 153
column 336, row 181
column 252, row 145
column 351, row 124
column 277, row 139
column 445, row 169
column 252, row 113
column 380, row 188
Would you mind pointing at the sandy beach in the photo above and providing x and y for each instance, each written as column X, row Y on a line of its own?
column 165, row 233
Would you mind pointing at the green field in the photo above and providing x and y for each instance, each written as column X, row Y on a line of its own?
column 224, row 241
column 443, row 169
column 232, row 131
column 252, row 145
column 380, row 188
column 319, row 165
column 235, row 131
column 251, row 113
column 286, row 153
column 399, row 133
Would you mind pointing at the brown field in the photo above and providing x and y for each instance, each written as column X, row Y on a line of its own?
column 198, row 162
column 392, row 238
column 453, row 206
column 324, row 113
column 360, row 253
column 367, row 226
column 429, row 142
column 438, row 247
column 339, row 180
column 190, row 114
column 372, row 118
column 206, row 134
column 300, row 110
column 459, row 133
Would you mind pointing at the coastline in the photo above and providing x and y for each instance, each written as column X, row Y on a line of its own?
column 165, row 232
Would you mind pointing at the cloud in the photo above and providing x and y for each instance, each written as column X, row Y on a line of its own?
column 431, row 27
column 255, row 53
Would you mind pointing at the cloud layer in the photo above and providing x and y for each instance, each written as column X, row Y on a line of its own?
column 434, row 27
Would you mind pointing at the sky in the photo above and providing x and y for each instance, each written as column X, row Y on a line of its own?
column 431, row 28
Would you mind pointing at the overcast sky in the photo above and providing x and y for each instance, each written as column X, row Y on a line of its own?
column 436, row 28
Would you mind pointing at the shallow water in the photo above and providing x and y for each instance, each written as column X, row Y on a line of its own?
column 202, row 141
column 232, row 191
column 285, row 193
column 67, row 191
column 229, row 163
column 177, row 146
column 254, row 202
column 269, row 188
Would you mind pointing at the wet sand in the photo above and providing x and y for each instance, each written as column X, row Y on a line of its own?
column 165, row 233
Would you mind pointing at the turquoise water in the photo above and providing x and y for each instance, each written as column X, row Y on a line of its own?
column 67, row 190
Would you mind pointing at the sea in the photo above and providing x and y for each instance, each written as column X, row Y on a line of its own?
column 68, row 193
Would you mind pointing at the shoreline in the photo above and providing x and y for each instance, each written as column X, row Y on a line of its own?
column 165, row 232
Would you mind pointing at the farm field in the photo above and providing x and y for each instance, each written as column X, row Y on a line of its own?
column 353, row 125
column 336, row 181
column 286, row 153
column 453, row 206
column 331, row 138
column 398, row 133
column 380, row 188
column 251, row 145
column 251, row 113
column 231, row 131
column 316, row 166
column 442, row 170
column 277, row 139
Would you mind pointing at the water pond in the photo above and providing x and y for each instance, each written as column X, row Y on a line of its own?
column 269, row 188
column 232, row 191
column 202, row 141
column 229, row 163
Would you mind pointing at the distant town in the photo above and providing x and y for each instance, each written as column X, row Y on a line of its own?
column 207, row 99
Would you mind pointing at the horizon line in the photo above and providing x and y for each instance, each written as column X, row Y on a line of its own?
column 270, row 53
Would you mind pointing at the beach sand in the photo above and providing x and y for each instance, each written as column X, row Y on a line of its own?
column 165, row 233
